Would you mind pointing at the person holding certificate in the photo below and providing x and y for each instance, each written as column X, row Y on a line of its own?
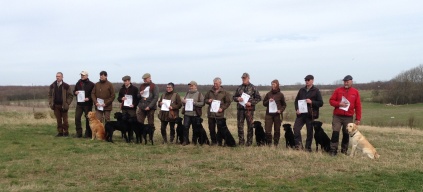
column 246, row 96
column 128, row 97
column 59, row 98
column 275, row 103
column 307, row 104
column 148, row 95
column 169, row 104
column 218, row 100
column 193, row 103
column 346, row 102
column 103, row 96
column 82, row 92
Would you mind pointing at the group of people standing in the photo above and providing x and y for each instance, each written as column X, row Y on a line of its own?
column 143, row 102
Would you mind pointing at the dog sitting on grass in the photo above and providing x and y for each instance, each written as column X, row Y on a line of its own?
column 259, row 133
column 199, row 134
column 223, row 133
column 97, row 128
column 321, row 137
column 121, row 124
column 289, row 135
column 179, row 130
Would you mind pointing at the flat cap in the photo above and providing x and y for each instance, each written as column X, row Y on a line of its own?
column 347, row 78
column 308, row 77
column 145, row 76
column 245, row 75
column 192, row 83
column 126, row 77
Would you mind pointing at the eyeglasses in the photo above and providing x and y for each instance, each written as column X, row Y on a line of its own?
column 168, row 87
column 307, row 79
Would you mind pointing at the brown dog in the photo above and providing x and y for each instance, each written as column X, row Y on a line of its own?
column 359, row 142
column 97, row 127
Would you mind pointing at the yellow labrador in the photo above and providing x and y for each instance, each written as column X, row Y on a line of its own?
column 359, row 142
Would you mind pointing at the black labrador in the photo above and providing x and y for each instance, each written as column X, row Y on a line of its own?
column 179, row 130
column 259, row 133
column 289, row 135
column 223, row 133
column 121, row 124
column 321, row 137
column 199, row 134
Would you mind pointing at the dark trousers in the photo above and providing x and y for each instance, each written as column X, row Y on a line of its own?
column 212, row 129
column 62, row 119
column 78, row 125
column 269, row 121
column 241, row 116
column 339, row 122
column 298, row 125
column 188, row 121
column 103, row 116
column 163, row 130
column 142, row 114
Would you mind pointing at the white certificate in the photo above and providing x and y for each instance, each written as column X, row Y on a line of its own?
column 215, row 105
column 302, row 106
column 146, row 92
column 245, row 97
column 273, row 108
column 101, row 102
column 81, row 96
column 165, row 105
column 189, row 105
column 346, row 101
column 128, row 101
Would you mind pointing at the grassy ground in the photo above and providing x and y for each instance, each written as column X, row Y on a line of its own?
column 32, row 159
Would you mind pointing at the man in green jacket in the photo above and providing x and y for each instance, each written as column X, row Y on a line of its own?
column 103, row 95
column 218, row 95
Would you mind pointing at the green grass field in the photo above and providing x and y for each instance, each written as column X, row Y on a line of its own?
column 32, row 159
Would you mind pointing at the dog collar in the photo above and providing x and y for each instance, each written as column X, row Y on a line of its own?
column 353, row 134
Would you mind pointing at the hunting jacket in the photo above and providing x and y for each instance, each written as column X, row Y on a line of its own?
column 251, row 90
column 104, row 90
column 67, row 95
column 225, row 101
column 87, row 86
column 131, row 90
column 314, row 95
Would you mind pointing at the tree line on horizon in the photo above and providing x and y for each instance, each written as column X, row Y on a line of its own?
column 405, row 88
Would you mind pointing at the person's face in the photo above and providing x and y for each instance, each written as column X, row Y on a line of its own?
column 348, row 84
column 309, row 82
column 127, row 83
column 245, row 80
column 192, row 87
column 216, row 85
column 59, row 77
column 103, row 77
column 147, row 80
column 169, row 88
column 274, row 86
column 84, row 77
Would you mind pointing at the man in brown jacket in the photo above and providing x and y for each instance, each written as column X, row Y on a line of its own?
column 275, row 116
column 59, row 99
column 103, row 95
column 216, row 93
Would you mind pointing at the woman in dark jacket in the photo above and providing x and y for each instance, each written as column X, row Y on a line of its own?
column 168, row 117
column 275, row 103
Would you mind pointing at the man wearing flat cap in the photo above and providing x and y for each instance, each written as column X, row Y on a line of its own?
column 83, row 86
column 312, row 97
column 190, row 116
column 245, row 109
column 128, row 92
column 346, row 102
column 148, row 96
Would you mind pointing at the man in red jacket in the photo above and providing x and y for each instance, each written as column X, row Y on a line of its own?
column 346, row 101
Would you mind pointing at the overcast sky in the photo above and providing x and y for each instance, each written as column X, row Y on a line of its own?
column 184, row 40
